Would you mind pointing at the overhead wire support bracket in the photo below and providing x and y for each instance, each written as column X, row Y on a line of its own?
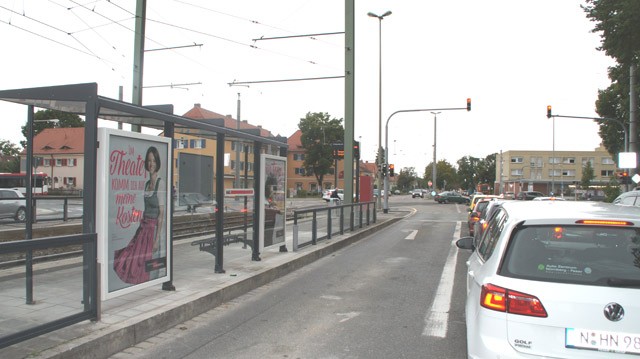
column 178, row 86
column 294, row 36
column 236, row 83
column 173, row 47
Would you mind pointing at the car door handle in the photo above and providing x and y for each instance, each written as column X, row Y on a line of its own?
column 471, row 274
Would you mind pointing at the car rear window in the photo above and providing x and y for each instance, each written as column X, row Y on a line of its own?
column 595, row 255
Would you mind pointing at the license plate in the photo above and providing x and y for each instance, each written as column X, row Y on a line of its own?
column 602, row 340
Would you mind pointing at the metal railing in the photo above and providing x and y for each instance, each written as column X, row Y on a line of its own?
column 54, row 308
column 322, row 222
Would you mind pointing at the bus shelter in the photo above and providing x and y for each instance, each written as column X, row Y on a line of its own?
column 192, row 156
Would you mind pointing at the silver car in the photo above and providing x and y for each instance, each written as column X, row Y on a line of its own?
column 12, row 204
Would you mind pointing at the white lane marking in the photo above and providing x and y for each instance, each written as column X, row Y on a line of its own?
column 412, row 235
column 437, row 319
column 347, row 316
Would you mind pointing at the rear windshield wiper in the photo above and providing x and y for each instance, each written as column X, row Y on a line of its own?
column 623, row 282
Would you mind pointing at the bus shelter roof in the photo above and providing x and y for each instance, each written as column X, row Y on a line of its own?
column 75, row 98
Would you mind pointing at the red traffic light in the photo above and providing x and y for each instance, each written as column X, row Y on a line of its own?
column 549, row 111
column 468, row 104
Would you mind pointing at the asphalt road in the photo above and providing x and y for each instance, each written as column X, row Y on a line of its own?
column 396, row 294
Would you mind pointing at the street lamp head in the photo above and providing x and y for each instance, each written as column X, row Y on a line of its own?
column 380, row 17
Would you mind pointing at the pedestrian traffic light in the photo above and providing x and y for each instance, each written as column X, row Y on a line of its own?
column 391, row 170
column 356, row 150
column 549, row 111
column 468, row 104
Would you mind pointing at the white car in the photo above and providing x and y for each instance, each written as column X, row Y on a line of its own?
column 555, row 279
column 326, row 195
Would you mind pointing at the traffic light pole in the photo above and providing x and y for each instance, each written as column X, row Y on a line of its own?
column 385, row 207
column 619, row 122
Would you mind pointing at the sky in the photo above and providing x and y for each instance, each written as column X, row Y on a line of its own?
column 512, row 58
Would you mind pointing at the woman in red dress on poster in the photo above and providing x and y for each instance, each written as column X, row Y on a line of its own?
column 132, row 263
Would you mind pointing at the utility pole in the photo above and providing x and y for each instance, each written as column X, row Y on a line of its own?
column 138, row 56
column 633, row 128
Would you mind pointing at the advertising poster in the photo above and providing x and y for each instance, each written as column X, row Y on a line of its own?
column 133, row 210
column 272, row 218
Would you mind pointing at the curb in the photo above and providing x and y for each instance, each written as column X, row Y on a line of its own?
column 113, row 339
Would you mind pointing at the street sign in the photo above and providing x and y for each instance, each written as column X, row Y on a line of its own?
column 238, row 192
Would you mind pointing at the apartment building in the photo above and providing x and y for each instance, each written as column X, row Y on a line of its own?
column 551, row 171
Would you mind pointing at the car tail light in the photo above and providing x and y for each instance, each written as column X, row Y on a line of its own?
column 509, row 301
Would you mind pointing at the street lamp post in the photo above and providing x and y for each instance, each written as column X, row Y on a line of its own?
column 379, row 156
column 434, row 170
column 386, row 143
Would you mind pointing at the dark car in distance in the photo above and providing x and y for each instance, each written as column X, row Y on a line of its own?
column 528, row 195
column 451, row 197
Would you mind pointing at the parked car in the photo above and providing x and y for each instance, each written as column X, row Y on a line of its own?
column 485, row 216
column 474, row 215
column 528, row 195
column 477, row 197
column 554, row 279
column 326, row 195
column 631, row 198
column 451, row 197
column 417, row 193
column 546, row 198
column 13, row 204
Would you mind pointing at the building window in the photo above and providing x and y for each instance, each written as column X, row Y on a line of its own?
column 58, row 162
column 298, row 156
column 71, row 162
column 517, row 172
column 607, row 173
column 46, row 162
column 517, row 159
column 182, row 144
column 607, row 161
column 555, row 160
column 535, row 161
column 555, row 173
column 232, row 164
column 568, row 173
column 590, row 160
column 299, row 171
column 299, row 186
column 569, row 160
column 198, row 143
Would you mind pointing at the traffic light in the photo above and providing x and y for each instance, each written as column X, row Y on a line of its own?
column 549, row 111
column 384, row 169
column 625, row 178
column 469, row 104
column 391, row 170
column 356, row 150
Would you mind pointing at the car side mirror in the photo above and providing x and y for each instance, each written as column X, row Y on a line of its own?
column 466, row 243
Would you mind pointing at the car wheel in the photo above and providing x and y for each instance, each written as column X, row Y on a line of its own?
column 21, row 214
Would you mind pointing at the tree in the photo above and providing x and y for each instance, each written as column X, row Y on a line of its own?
column 406, row 178
column 472, row 171
column 10, row 159
column 446, row 174
column 319, row 131
column 618, row 23
column 587, row 175
column 65, row 119
column 468, row 172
